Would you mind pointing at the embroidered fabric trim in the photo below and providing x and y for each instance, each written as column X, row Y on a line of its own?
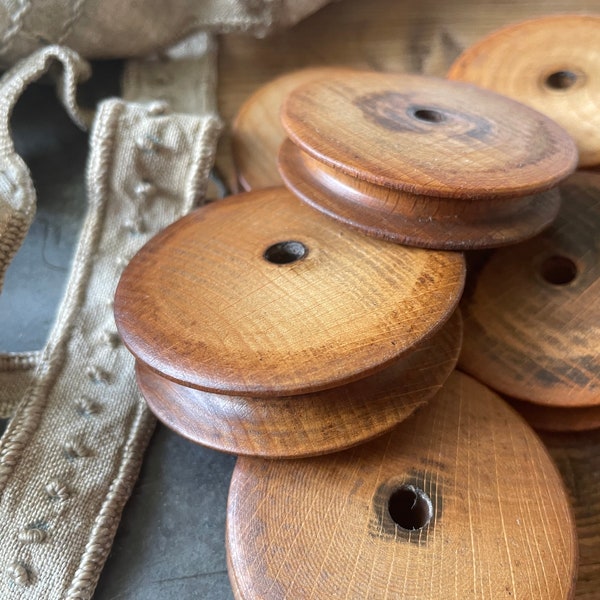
column 72, row 450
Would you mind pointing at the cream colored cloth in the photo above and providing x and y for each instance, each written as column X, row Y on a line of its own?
column 72, row 450
column 120, row 28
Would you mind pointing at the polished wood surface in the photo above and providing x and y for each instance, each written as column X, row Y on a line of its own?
column 257, row 132
column 532, row 322
column 308, row 424
column 427, row 136
column 550, row 63
column 406, row 218
column 423, row 161
column 208, row 304
column 411, row 36
column 459, row 501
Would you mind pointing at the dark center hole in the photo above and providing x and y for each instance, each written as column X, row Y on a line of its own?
column 430, row 115
column 559, row 270
column 561, row 80
column 283, row 253
column 410, row 507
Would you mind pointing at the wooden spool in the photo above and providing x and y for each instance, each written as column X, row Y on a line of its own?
column 550, row 63
column 532, row 323
column 257, row 132
column 424, row 161
column 256, row 298
column 459, row 501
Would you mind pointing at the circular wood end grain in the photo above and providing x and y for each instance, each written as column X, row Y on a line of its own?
column 309, row 424
column 260, row 295
column 257, row 132
column 551, row 64
column 532, row 324
column 421, row 221
column 459, row 501
column 428, row 136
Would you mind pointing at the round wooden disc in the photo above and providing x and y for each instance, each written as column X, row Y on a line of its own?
column 532, row 323
column 257, row 132
column 308, row 424
column 428, row 136
column 552, row 64
column 459, row 501
column 260, row 295
column 407, row 219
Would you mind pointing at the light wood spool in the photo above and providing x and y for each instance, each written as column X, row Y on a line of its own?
column 550, row 63
column 532, row 323
column 498, row 523
column 257, row 132
column 202, row 305
column 424, row 161
column 308, row 424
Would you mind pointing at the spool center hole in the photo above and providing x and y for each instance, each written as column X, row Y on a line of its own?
column 558, row 270
column 410, row 507
column 561, row 80
column 429, row 115
column 283, row 253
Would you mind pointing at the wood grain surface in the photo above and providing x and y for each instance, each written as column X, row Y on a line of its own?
column 257, row 132
column 405, row 218
column 553, row 418
column 427, row 136
column 308, row 424
column 532, row 323
column 421, row 161
column 202, row 305
column 459, row 501
column 419, row 36
column 413, row 36
column 550, row 63
column 578, row 459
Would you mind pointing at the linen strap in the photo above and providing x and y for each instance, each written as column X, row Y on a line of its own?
column 72, row 450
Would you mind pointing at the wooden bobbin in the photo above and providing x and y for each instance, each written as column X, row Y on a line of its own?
column 459, row 501
column 532, row 323
column 260, row 297
column 424, row 161
column 550, row 63
column 257, row 132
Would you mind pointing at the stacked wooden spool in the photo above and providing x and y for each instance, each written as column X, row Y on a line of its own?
column 269, row 329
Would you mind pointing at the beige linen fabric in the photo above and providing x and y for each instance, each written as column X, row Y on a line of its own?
column 120, row 28
column 73, row 447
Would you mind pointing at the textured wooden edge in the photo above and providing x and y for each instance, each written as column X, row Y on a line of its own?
column 311, row 424
column 420, row 221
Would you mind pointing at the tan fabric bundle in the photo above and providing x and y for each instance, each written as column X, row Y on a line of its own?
column 114, row 28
